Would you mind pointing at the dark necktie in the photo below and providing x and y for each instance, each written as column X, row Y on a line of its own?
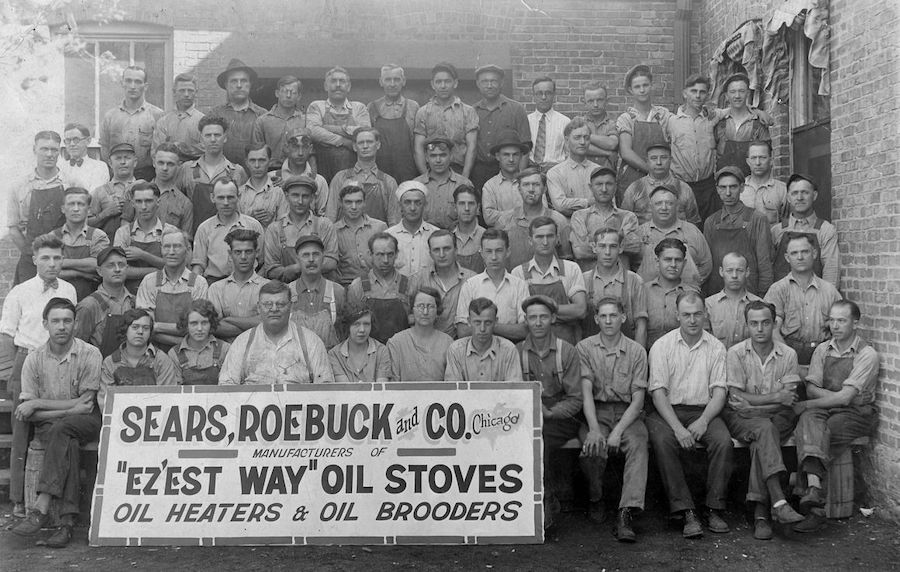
column 541, row 141
column 48, row 285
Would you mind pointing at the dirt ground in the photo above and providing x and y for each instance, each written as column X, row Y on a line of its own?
column 854, row 543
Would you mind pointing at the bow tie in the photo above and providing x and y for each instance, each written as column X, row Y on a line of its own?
column 48, row 285
column 76, row 162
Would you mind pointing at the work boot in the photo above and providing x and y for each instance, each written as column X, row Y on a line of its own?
column 812, row 499
column 716, row 523
column 60, row 538
column 811, row 523
column 622, row 530
column 692, row 527
column 31, row 525
column 762, row 529
column 19, row 510
column 785, row 514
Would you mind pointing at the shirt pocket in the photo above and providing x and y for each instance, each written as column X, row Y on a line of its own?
column 792, row 319
column 621, row 383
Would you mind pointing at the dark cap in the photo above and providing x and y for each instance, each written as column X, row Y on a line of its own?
column 602, row 171
column 736, row 77
column 309, row 239
column 187, row 152
column 121, row 147
column 235, row 65
column 509, row 138
column 299, row 181
column 640, row 69
column 299, row 134
column 660, row 188
column 542, row 300
column 109, row 251
column 730, row 170
column 659, row 145
column 490, row 68
column 438, row 140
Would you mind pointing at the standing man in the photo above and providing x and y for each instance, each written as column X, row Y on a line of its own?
column 131, row 122
column 496, row 114
column 299, row 152
column 394, row 116
column 726, row 308
column 482, row 356
column 110, row 202
column 236, row 297
column 98, row 317
column 181, row 125
column 663, row 290
column 142, row 239
column 546, row 125
column 569, row 182
column 762, row 191
column 318, row 303
column 500, row 193
column 738, row 228
column 447, row 277
column 238, row 111
column 688, row 385
column 467, row 231
column 441, row 181
column 383, row 289
column 36, row 206
column 272, row 127
column 333, row 121
column 445, row 116
column 260, row 197
column 637, row 196
column 604, row 136
column 353, row 231
column 174, row 206
column 81, row 243
column 79, row 170
column 412, row 231
column 378, row 186
column 740, row 125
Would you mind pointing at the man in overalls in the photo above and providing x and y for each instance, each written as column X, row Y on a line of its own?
column 801, row 195
column 167, row 292
column 638, row 127
column 740, row 125
column 333, row 121
column 273, row 127
column 663, row 290
column 318, row 304
column 501, row 192
column 36, row 207
column 555, row 364
column 99, row 316
column 111, row 203
column 441, row 181
column 559, row 280
column 238, row 111
column 141, row 239
column 379, row 187
column 394, row 116
column 413, row 230
column 725, row 308
column 568, row 184
column 81, row 243
column 614, row 386
column 611, row 279
column 383, row 289
column 235, row 297
column 298, row 150
column 738, row 228
column 279, row 256
column 353, row 231
column 637, row 196
column 447, row 277
column 467, row 231
column 604, row 145
column 840, row 388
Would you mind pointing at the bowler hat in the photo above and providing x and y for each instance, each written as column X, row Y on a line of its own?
column 235, row 65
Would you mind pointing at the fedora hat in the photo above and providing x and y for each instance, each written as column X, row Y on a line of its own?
column 235, row 65
column 509, row 137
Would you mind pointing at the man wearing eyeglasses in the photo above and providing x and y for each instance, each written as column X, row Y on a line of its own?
column 79, row 169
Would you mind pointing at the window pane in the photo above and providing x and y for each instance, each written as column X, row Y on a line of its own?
column 151, row 57
column 80, row 87
column 114, row 58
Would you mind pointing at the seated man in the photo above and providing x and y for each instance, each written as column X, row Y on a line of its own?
column 637, row 195
column 613, row 385
column 277, row 350
column 662, row 292
column 840, row 388
column 59, row 382
column 688, row 385
column 236, row 297
column 318, row 303
column 98, row 316
column 726, row 308
column 762, row 382
column 482, row 356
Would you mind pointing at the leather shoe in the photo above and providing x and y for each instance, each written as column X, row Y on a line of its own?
column 762, row 529
column 623, row 531
column 31, row 525
column 812, row 499
column 597, row 512
column 60, row 538
column 692, row 527
column 785, row 514
column 716, row 523
column 19, row 510
column 811, row 523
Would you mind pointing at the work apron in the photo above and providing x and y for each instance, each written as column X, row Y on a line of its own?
column 153, row 247
column 726, row 239
column 303, row 348
column 320, row 322
column 395, row 157
column 644, row 133
column 170, row 307
column 589, row 325
column 203, row 205
column 707, row 197
column 781, row 267
column 205, row 375
column 128, row 376
column 331, row 159
column 735, row 155
column 557, row 292
column 109, row 342
column 389, row 316
column 44, row 215
column 83, row 286
column 375, row 205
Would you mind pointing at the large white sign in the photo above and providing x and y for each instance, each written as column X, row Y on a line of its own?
column 396, row 463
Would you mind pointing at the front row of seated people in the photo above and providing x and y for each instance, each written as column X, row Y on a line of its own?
column 596, row 390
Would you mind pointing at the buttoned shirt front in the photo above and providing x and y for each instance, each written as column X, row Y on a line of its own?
column 165, row 371
column 864, row 375
column 113, row 191
column 449, row 291
column 97, row 242
column 174, row 207
column 198, row 358
column 23, row 308
column 661, row 307
column 554, row 141
column 284, row 232
column 605, row 127
column 494, row 119
column 90, row 318
column 211, row 251
column 569, row 184
column 148, row 290
column 453, row 121
column 413, row 254
column 803, row 310
column 206, row 173
column 47, row 376
column 232, row 298
column 499, row 363
column 637, row 198
column 240, row 128
column 270, row 198
column 572, row 280
column 179, row 127
column 508, row 297
column 19, row 205
column 357, row 114
column 353, row 246
column 135, row 127
column 89, row 175
column 626, row 120
column 693, row 144
column 440, row 210
column 272, row 128
column 826, row 234
column 688, row 373
column 561, row 396
column 498, row 195
column 768, row 198
column 586, row 222
column 615, row 372
column 373, row 180
column 270, row 362
column 748, row 372
column 726, row 316
column 752, row 128
column 377, row 366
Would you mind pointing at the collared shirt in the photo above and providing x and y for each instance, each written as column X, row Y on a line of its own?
column 414, row 360
column 753, row 128
column 236, row 299
column 165, row 370
column 148, row 290
column 452, row 121
column 46, row 376
column 377, row 366
column 210, row 249
column 828, row 243
column 561, row 396
column 615, row 372
column 569, row 185
column 516, row 223
column 198, row 171
column 698, row 263
column 19, row 205
column 637, row 198
column 605, row 127
column 382, row 289
column 586, row 222
column 688, row 373
column 133, row 232
column 803, row 311
column 768, row 198
column 97, row 243
column 440, row 210
column 240, row 128
column 468, row 244
column 635, row 302
column 122, row 125
column 353, row 246
column 89, row 175
column 759, row 266
column 284, row 232
column 726, row 317
column 554, row 140
column 661, row 308
column 271, row 362
column 272, row 128
column 413, row 254
column 573, row 280
column 353, row 113
column 693, row 144
column 864, row 375
column 179, row 127
column 198, row 358
column 508, row 297
column 746, row 371
column 107, row 193
column 373, row 180
column 492, row 121
column 174, row 207
column 90, row 318
column 449, row 291
column 269, row 198
column 499, row 363
column 498, row 195
column 388, row 109
column 322, row 192
column 23, row 308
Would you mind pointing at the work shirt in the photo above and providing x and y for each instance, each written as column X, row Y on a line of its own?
column 236, row 299
column 768, row 198
column 752, row 128
column 211, row 252
column 499, row 195
column 97, row 243
column 269, row 198
column 746, row 371
column 353, row 246
column 240, row 128
column 89, row 175
column 726, row 317
column 508, row 297
column 569, row 185
column 77, row 371
column 271, row 362
column 440, row 210
column 803, row 311
column 864, row 375
column 499, row 363
column 614, row 287
column 174, row 207
column 372, row 180
column 273, row 127
column 687, row 373
column 517, row 224
column 133, row 232
column 90, row 318
column 179, row 127
column 453, row 121
column 148, row 290
column 693, row 144
column 605, row 127
column 492, row 121
column 615, row 372
column 573, row 281
column 554, row 139
column 23, row 308
column 561, row 396
column 284, row 232
column 377, row 366
column 315, row 119
column 661, row 308
column 135, row 127
column 106, row 194
column 413, row 254
column 198, row 358
column 19, row 205
column 586, row 222
column 637, row 198
column 449, row 290
column 165, row 370
column 828, row 243
column 210, row 174
column 760, row 272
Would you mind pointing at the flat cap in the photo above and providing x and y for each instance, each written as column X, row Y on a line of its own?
column 547, row 301
column 299, row 134
column 659, row 144
column 438, row 140
column 602, row 171
column 299, row 181
column 489, row 68
column 128, row 147
column 640, row 69
column 109, row 251
column 730, row 170
column 309, row 239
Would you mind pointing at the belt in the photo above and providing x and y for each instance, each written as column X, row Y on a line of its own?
column 802, row 343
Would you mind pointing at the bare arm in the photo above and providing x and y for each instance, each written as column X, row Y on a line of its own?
column 471, row 140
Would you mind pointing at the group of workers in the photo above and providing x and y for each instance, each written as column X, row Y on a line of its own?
column 610, row 260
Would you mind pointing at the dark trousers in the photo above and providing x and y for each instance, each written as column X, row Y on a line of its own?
column 60, row 475
column 719, row 454
column 21, row 432
column 556, row 433
column 825, row 433
column 765, row 436
column 637, row 457
column 708, row 200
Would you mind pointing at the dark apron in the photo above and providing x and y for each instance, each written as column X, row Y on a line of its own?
column 557, row 292
column 375, row 206
column 112, row 324
column 643, row 135
column 389, row 316
column 707, row 198
column 331, row 159
column 83, row 286
column 44, row 215
column 322, row 321
column 112, row 224
column 155, row 248
column 202, row 376
column 735, row 155
column 395, row 157
column 124, row 375
column 732, row 239
column 170, row 307
column 203, row 205
column 589, row 326
column 780, row 265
